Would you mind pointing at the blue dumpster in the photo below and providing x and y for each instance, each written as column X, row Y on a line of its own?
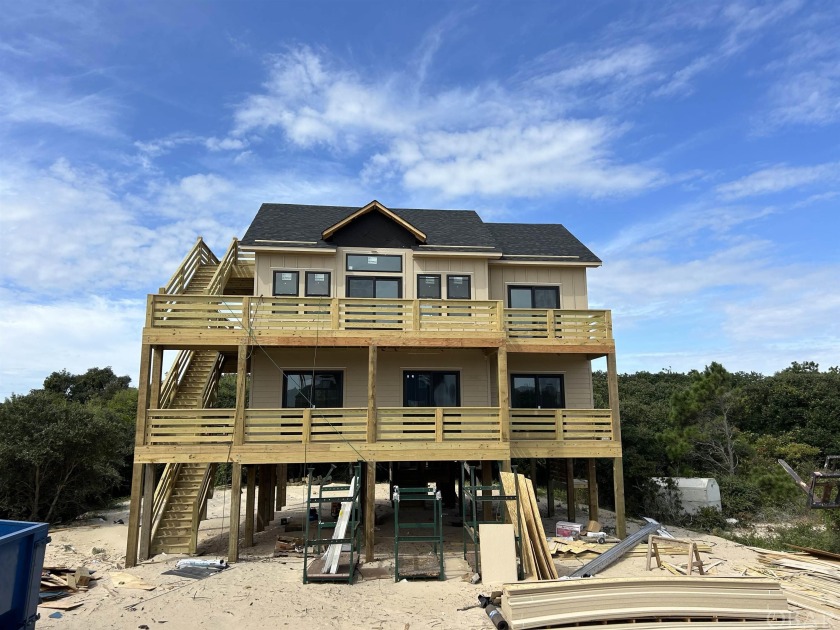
column 22, row 547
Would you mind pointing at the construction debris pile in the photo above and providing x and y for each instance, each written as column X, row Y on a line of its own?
column 809, row 583
column 59, row 582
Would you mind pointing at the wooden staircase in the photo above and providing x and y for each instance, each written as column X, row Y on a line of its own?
column 201, row 279
column 176, row 529
column 182, row 492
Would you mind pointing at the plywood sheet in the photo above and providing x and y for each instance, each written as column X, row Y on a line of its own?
column 498, row 553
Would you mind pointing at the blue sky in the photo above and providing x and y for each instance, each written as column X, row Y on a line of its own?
column 695, row 147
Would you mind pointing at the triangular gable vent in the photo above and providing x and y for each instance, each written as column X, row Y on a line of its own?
column 374, row 206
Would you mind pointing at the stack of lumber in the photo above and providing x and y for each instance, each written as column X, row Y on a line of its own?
column 536, row 556
column 810, row 583
column 601, row 600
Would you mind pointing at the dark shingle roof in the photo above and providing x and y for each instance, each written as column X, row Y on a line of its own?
column 302, row 225
column 540, row 240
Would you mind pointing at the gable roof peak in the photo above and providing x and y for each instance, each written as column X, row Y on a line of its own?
column 378, row 207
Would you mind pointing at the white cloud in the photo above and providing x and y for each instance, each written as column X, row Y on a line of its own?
column 484, row 141
column 565, row 156
column 743, row 23
column 55, row 105
column 74, row 334
column 613, row 65
column 777, row 179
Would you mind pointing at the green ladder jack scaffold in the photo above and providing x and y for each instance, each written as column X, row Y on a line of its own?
column 472, row 513
column 338, row 563
column 429, row 493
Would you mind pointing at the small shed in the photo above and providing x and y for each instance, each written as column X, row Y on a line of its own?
column 694, row 492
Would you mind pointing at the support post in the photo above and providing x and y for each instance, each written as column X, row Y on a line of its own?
column 157, row 377
column 486, row 480
column 592, row 480
column 261, row 497
column 371, row 401
column 370, row 510
column 278, row 498
column 549, row 485
column 148, row 509
column 241, row 381
column 618, row 462
column 272, row 491
column 249, row 505
column 281, row 486
column 134, row 516
column 139, row 440
column 570, row 489
column 235, row 500
column 504, row 395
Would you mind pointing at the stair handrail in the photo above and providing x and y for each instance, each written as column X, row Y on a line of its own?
column 200, row 254
column 208, row 394
column 163, row 492
column 198, row 506
column 220, row 278
column 169, row 388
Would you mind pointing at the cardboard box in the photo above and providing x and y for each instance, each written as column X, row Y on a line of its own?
column 567, row 531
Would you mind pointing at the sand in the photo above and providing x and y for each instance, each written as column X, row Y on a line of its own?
column 263, row 591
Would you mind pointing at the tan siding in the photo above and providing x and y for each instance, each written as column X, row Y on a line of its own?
column 474, row 267
column 267, row 263
column 572, row 282
column 577, row 375
column 267, row 378
column 472, row 365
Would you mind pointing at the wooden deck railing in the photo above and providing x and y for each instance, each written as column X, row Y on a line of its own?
column 561, row 424
column 393, row 424
column 302, row 316
column 189, row 426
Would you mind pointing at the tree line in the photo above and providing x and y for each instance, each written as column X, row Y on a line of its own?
column 66, row 448
column 732, row 426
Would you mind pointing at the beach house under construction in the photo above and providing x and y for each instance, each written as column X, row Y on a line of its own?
column 407, row 338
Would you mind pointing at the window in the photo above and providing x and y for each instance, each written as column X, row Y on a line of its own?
column 533, row 297
column 307, row 389
column 317, row 284
column 428, row 287
column 374, row 287
column 363, row 262
column 431, row 389
column 537, row 391
column 286, row 282
column 458, row 288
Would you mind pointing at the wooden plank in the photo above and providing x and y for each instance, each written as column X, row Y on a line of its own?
column 537, row 534
column 528, row 560
column 498, row 553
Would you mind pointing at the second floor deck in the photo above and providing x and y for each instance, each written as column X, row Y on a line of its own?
column 195, row 320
